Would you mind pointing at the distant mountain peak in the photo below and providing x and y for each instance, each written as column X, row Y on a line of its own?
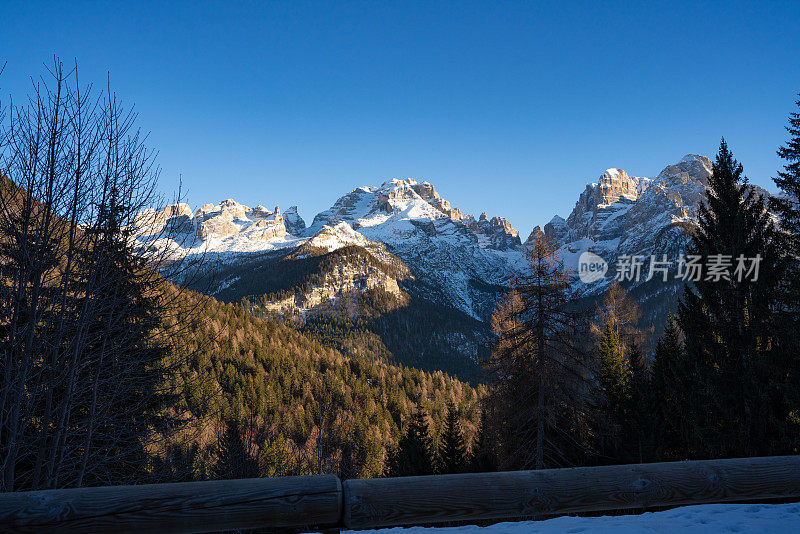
column 455, row 258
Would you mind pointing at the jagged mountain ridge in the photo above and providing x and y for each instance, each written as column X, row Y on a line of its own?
column 625, row 215
column 455, row 260
column 396, row 260
column 621, row 214
column 429, row 250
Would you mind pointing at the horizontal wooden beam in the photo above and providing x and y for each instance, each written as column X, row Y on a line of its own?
column 183, row 507
column 515, row 494
column 323, row 501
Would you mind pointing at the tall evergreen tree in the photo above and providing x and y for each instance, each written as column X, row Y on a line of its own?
column 788, row 180
column 637, row 420
column 729, row 322
column 787, row 207
column 452, row 453
column 669, row 396
column 481, row 459
column 415, row 452
column 235, row 458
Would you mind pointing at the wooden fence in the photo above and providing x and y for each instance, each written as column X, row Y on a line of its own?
column 326, row 503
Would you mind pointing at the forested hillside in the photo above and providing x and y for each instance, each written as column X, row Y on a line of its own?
column 287, row 404
column 360, row 302
column 112, row 375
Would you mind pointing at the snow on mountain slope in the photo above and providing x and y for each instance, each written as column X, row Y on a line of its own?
column 461, row 261
column 621, row 214
column 455, row 259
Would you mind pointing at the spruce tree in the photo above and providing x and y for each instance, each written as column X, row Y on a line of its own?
column 637, row 414
column 481, row 459
column 788, row 206
column 234, row 459
column 414, row 455
column 728, row 322
column 451, row 457
column 669, row 396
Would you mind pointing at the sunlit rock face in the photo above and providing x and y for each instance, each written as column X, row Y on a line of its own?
column 460, row 261
column 229, row 218
column 152, row 222
column 622, row 214
column 454, row 258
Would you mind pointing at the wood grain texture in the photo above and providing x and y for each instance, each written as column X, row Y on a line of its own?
column 508, row 495
column 323, row 501
column 182, row 507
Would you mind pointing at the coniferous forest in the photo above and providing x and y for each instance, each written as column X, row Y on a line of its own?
column 117, row 366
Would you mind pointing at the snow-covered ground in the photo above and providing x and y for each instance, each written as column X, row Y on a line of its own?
column 702, row 519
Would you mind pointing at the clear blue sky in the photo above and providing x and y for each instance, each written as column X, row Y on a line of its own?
column 509, row 108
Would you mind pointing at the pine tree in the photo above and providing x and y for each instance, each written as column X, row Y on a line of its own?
column 729, row 324
column 637, row 413
column 451, row 457
column 234, row 457
column 481, row 459
column 414, row 455
column 788, row 209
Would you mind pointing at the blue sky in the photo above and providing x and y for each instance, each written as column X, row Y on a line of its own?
column 506, row 107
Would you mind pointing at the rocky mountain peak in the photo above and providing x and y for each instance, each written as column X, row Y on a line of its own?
column 614, row 185
column 152, row 222
column 395, row 194
column 294, row 222
column 226, row 219
column 622, row 214
column 598, row 200
column 691, row 170
column 400, row 208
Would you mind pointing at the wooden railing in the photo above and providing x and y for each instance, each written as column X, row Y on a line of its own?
column 325, row 502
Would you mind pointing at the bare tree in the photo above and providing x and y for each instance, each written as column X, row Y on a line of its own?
column 89, row 324
column 539, row 408
column 619, row 310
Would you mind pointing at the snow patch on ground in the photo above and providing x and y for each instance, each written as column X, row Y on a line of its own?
column 701, row 519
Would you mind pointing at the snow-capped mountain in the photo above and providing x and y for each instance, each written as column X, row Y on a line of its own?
column 624, row 216
column 455, row 259
column 627, row 215
column 458, row 260
column 418, row 246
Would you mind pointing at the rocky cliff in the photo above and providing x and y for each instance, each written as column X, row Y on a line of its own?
column 433, row 250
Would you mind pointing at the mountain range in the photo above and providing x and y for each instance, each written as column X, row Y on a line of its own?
column 399, row 264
